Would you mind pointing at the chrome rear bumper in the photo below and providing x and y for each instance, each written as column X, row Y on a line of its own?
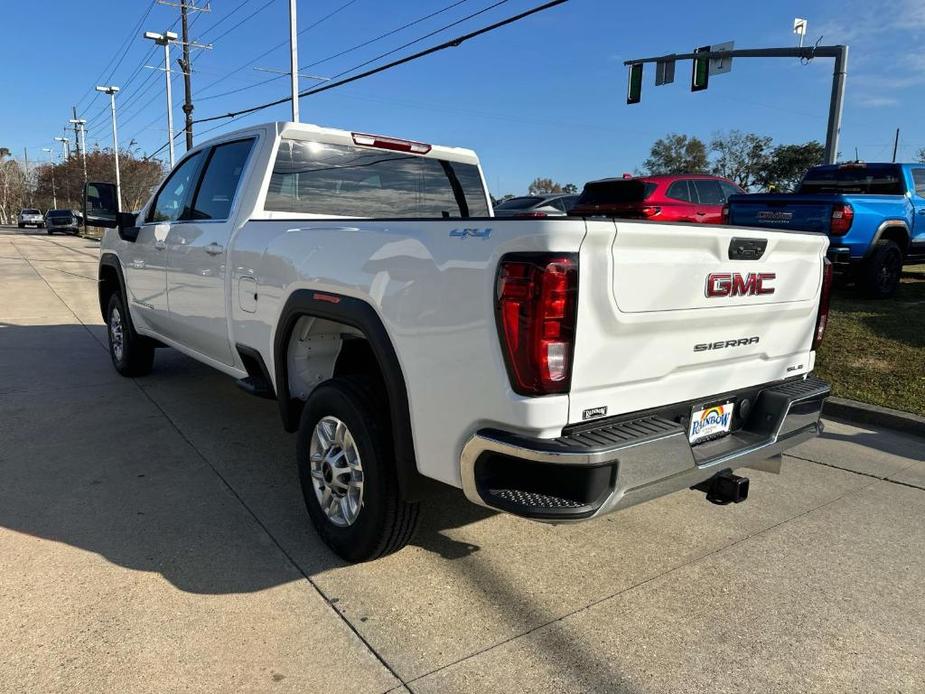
column 615, row 464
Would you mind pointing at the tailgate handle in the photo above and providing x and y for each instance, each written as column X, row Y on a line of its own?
column 746, row 249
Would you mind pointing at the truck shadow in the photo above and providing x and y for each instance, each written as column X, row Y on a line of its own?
column 178, row 473
column 183, row 475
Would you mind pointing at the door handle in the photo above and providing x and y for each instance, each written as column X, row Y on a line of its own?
column 700, row 214
column 215, row 248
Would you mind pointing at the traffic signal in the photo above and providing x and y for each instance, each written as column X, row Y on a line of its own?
column 634, row 89
column 700, row 75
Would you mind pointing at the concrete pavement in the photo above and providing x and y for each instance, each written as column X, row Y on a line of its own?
column 153, row 537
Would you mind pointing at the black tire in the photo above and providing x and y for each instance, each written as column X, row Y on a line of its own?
column 48, row 231
column 136, row 356
column 881, row 272
column 21, row 226
column 385, row 522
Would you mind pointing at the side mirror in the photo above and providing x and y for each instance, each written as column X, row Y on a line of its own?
column 101, row 205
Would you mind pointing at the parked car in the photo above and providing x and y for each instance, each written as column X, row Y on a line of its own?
column 556, row 368
column 872, row 213
column 688, row 198
column 62, row 220
column 30, row 217
column 554, row 205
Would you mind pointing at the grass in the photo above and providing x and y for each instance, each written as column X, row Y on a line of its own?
column 874, row 351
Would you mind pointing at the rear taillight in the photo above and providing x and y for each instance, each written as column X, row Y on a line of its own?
column 537, row 296
column 531, row 215
column 650, row 211
column 392, row 143
column 822, row 319
column 842, row 216
column 725, row 219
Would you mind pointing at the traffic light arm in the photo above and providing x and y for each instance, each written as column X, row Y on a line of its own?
column 839, row 53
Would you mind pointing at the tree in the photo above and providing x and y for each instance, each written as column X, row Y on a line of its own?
column 541, row 186
column 13, row 188
column 741, row 157
column 788, row 163
column 138, row 178
column 570, row 188
column 920, row 155
column 677, row 154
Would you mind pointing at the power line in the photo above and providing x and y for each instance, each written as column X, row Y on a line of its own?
column 223, row 19
column 388, row 33
column 125, row 43
column 277, row 46
column 452, row 43
column 366, row 43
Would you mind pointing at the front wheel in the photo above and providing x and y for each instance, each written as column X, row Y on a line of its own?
column 882, row 271
column 131, row 353
column 347, row 470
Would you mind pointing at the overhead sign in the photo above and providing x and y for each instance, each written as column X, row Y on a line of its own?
column 719, row 66
column 664, row 72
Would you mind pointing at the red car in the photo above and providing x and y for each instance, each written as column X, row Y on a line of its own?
column 675, row 198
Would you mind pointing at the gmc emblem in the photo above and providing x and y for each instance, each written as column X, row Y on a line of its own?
column 735, row 284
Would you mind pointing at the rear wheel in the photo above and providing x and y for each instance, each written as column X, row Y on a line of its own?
column 347, row 471
column 131, row 353
column 881, row 272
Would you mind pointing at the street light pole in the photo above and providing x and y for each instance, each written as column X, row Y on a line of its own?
column 112, row 91
column 164, row 40
column 294, row 60
column 65, row 147
column 51, row 162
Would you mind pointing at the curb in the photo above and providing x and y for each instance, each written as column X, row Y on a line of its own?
column 874, row 415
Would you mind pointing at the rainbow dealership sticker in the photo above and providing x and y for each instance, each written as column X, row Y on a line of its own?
column 710, row 422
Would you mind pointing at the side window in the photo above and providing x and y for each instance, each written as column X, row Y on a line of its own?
column 918, row 177
column 171, row 202
column 558, row 203
column 728, row 190
column 679, row 191
column 220, row 180
column 709, row 192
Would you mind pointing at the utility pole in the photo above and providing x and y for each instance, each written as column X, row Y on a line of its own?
column 806, row 53
column 294, row 59
column 895, row 144
column 73, row 121
column 186, row 66
column 112, row 91
column 80, row 126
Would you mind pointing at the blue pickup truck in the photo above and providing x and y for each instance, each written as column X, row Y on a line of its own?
column 874, row 215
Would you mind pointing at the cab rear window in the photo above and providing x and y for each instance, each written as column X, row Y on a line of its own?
column 864, row 179
column 346, row 181
column 611, row 192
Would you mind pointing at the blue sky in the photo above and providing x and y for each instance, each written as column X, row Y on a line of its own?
column 544, row 97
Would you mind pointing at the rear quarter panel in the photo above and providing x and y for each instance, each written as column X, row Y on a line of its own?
column 434, row 294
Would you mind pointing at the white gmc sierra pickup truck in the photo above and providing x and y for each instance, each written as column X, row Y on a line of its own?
column 556, row 369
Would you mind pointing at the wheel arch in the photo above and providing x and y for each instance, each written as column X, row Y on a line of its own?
column 360, row 315
column 895, row 230
column 110, row 279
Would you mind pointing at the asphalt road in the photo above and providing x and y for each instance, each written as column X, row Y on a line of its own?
column 153, row 538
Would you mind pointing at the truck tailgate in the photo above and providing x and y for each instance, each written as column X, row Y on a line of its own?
column 804, row 213
column 650, row 334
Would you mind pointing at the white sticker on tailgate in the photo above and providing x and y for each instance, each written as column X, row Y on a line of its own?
column 709, row 421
